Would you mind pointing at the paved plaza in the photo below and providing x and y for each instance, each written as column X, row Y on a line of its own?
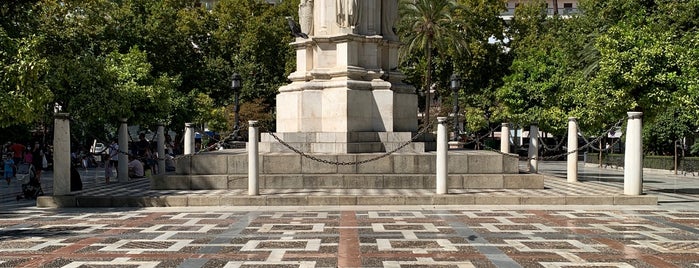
column 666, row 235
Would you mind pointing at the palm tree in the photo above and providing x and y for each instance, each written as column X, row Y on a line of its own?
column 428, row 26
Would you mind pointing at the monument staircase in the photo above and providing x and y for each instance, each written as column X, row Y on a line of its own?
column 337, row 176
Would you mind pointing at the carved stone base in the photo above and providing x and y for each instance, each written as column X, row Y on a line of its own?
column 347, row 142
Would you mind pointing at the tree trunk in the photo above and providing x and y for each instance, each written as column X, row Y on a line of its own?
column 555, row 7
column 428, row 82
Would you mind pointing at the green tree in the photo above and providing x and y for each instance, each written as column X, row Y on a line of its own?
column 23, row 97
column 426, row 26
column 482, row 69
column 535, row 88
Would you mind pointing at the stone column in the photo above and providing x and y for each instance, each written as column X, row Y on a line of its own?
column 188, row 138
column 534, row 148
column 505, row 138
column 442, row 148
column 633, row 157
column 572, row 170
column 123, row 169
column 253, row 159
column 161, row 148
column 61, row 154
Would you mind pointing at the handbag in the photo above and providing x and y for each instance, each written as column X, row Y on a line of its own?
column 44, row 162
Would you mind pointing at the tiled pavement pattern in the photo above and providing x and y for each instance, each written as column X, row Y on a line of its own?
column 594, row 182
column 141, row 188
column 351, row 237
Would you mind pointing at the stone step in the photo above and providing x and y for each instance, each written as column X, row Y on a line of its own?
column 230, row 162
column 335, row 200
column 350, row 147
column 346, row 142
column 348, row 181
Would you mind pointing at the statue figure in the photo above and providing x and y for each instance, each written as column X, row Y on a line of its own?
column 389, row 15
column 306, row 16
column 347, row 13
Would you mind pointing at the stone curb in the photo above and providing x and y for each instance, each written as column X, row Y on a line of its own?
column 335, row 200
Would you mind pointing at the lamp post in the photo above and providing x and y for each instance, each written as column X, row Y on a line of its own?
column 236, row 85
column 455, row 85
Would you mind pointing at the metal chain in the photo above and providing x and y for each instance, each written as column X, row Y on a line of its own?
column 555, row 148
column 596, row 140
column 581, row 148
column 478, row 139
column 338, row 163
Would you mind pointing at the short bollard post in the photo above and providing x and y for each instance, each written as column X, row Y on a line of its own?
column 161, row 148
column 505, row 138
column 534, row 148
column 253, row 173
column 633, row 156
column 442, row 148
column 123, row 158
column 61, row 153
column 572, row 170
column 188, row 139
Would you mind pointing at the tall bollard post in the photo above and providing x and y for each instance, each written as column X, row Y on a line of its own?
column 633, row 157
column 505, row 138
column 123, row 158
column 442, row 148
column 533, row 148
column 253, row 159
column 161, row 148
column 188, row 139
column 61, row 154
column 572, row 170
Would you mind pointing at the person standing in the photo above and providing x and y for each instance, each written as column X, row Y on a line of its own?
column 9, row 167
column 113, row 160
column 17, row 150
column 38, row 159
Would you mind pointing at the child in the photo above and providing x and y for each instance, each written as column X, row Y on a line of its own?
column 9, row 168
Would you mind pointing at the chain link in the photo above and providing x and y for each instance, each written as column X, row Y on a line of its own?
column 552, row 157
column 338, row 163
column 478, row 140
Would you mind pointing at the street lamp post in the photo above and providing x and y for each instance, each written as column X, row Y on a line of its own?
column 455, row 85
column 236, row 85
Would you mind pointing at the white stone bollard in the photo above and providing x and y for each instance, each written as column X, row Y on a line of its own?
column 61, row 154
column 442, row 154
column 633, row 157
column 253, row 159
column 533, row 148
column 505, row 138
column 188, row 139
column 123, row 157
column 161, row 148
column 572, row 170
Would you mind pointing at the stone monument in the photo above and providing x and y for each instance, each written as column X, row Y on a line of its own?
column 346, row 94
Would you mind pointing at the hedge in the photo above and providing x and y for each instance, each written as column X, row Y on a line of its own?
column 689, row 164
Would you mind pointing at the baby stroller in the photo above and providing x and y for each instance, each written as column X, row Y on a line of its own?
column 32, row 189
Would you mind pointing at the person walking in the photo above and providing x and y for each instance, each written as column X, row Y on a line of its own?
column 9, row 172
column 112, row 162
column 38, row 159
column 17, row 150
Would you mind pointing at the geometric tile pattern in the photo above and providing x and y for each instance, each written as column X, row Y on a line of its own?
column 463, row 237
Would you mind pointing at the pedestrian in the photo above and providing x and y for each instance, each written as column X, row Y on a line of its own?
column 28, row 157
column 135, row 168
column 9, row 167
column 113, row 161
column 38, row 159
column 17, row 149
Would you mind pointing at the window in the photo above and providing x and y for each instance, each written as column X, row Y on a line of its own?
column 567, row 8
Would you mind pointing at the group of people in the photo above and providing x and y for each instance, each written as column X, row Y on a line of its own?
column 15, row 154
column 143, row 156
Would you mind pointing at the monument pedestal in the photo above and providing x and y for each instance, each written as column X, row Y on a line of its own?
column 347, row 142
